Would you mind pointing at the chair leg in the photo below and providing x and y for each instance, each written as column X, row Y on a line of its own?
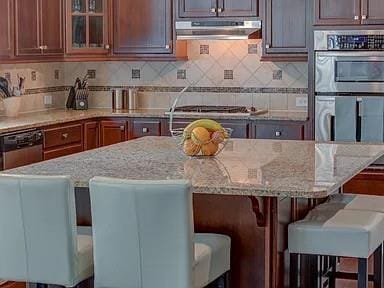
column 378, row 270
column 293, row 270
column 227, row 279
column 332, row 275
column 362, row 281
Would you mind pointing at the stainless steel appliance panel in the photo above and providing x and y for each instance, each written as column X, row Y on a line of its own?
column 343, row 72
column 22, row 157
column 21, row 148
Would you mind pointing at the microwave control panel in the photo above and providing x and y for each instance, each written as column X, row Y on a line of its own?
column 355, row 42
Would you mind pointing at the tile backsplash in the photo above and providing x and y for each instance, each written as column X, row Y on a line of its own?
column 220, row 72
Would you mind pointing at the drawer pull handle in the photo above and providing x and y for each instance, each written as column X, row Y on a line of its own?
column 213, row 10
column 278, row 133
column 64, row 136
column 220, row 10
column 364, row 17
column 122, row 128
column 145, row 130
column 356, row 17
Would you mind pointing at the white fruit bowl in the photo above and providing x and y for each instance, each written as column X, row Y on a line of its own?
column 196, row 148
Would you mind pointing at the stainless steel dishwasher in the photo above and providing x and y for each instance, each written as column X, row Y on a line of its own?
column 20, row 148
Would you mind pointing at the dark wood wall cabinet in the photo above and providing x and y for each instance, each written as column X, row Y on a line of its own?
column 39, row 28
column 6, row 29
column 349, row 12
column 217, row 8
column 285, row 30
column 87, row 27
column 134, row 34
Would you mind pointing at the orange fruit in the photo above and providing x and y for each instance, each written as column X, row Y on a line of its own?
column 200, row 135
column 190, row 148
column 209, row 149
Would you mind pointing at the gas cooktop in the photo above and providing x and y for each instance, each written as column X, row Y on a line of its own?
column 212, row 109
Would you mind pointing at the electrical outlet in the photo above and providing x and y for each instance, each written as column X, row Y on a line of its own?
column 48, row 100
column 301, row 101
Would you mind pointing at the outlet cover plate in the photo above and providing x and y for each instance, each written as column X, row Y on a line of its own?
column 302, row 101
column 48, row 100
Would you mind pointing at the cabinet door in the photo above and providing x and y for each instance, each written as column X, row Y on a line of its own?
column 12, row 285
column 372, row 12
column 87, row 27
column 238, row 8
column 197, row 8
column 6, row 29
column 134, row 34
column 144, row 127
column 112, row 132
column 51, row 19
column 285, row 27
column 279, row 131
column 91, row 135
column 27, row 27
column 240, row 129
column 369, row 182
column 340, row 12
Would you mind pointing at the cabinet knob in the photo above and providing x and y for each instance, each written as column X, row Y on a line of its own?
column 267, row 46
column 167, row 46
column 364, row 17
column 213, row 10
column 107, row 47
column 64, row 136
column 145, row 130
column 278, row 133
column 122, row 128
column 357, row 17
column 220, row 10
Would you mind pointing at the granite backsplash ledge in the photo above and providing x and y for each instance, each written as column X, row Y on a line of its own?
column 219, row 73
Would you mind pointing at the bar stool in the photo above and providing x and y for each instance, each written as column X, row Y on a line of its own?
column 39, row 241
column 355, row 202
column 341, row 233
column 143, row 237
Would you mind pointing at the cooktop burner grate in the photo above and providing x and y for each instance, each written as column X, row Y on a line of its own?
column 212, row 109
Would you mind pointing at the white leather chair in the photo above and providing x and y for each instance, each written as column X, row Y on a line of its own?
column 143, row 237
column 339, row 232
column 39, row 241
column 354, row 202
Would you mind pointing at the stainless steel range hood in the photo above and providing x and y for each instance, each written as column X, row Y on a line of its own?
column 218, row 30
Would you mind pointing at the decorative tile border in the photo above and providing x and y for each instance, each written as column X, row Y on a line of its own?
column 170, row 89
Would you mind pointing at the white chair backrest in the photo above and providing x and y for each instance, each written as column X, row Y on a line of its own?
column 142, row 233
column 37, row 229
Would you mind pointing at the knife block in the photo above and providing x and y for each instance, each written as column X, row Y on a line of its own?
column 81, row 99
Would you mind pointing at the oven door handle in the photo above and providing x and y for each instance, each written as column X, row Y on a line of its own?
column 372, row 55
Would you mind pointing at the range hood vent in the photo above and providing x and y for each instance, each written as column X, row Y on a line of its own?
column 218, row 30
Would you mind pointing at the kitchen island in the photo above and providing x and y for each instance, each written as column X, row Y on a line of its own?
column 251, row 191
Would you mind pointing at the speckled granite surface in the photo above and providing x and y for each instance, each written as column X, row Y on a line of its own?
column 246, row 167
column 51, row 117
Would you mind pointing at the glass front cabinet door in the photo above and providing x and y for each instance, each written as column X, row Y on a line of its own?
column 87, row 27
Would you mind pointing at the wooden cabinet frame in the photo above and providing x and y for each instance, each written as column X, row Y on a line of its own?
column 8, row 16
column 106, row 49
column 41, row 46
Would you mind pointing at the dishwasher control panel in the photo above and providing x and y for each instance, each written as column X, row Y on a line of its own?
column 15, row 141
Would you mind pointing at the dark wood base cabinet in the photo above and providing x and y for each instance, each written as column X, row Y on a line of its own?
column 370, row 181
column 13, row 285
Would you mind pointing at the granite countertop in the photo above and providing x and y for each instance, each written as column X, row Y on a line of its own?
column 59, row 116
column 245, row 167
